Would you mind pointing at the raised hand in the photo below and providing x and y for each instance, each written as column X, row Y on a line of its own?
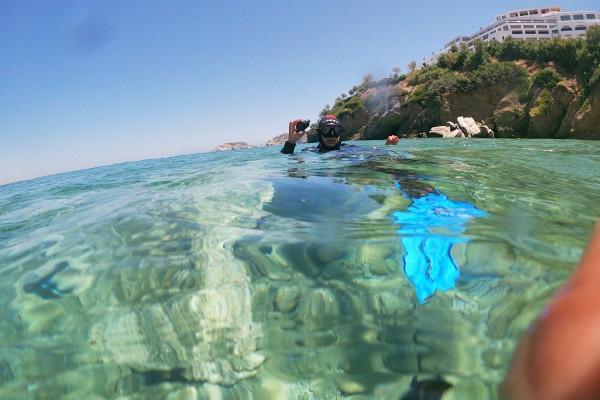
column 294, row 136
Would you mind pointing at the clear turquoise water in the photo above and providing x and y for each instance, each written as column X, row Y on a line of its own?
column 250, row 274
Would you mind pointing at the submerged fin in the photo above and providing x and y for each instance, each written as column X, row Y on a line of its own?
column 45, row 287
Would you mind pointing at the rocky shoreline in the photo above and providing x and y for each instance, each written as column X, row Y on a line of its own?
column 563, row 112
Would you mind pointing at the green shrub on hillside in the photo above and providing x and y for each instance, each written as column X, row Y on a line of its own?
column 454, row 59
column 427, row 74
column 543, row 105
column 592, row 42
column 580, row 56
column 595, row 79
column 562, row 52
column 588, row 58
column 477, row 58
column 545, row 78
column 432, row 82
column 503, row 72
column 347, row 106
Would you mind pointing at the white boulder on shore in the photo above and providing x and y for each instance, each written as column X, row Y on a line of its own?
column 464, row 127
column 468, row 126
column 440, row 131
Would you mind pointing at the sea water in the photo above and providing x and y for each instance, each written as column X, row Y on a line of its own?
column 375, row 272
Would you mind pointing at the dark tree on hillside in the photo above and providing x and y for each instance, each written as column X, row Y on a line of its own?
column 412, row 66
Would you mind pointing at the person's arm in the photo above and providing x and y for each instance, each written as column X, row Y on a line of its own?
column 293, row 137
column 559, row 358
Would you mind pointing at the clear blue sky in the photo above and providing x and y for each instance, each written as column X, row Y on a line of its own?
column 87, row 83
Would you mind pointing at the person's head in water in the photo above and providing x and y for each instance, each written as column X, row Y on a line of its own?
column 329, row 132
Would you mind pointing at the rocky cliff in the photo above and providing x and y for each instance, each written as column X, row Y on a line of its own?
column 559, row 111
column 546, row 89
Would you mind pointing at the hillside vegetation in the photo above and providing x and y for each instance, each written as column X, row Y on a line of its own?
column 534, row 89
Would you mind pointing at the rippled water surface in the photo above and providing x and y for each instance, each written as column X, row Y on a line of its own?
column 371, row 273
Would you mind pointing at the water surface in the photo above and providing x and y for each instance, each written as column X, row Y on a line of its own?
column 251, row 274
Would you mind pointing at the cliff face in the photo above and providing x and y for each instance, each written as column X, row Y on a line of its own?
column 562, row 110
column 582, row 119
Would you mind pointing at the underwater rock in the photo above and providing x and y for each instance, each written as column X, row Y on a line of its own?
column 362, row 358
column 262, row 259
column 209, row 334
column 373, row 257
column 302, row 263
column 6, row 373
column 186, row 393
column 402, row 361
column 325, row 254
column 381, row 268
column 349, row 387
column 387, row 304
column 38, row 314
column 287, row 299
column 317, row 339
column 377, row 251
column 319, row 308
column 472, row 387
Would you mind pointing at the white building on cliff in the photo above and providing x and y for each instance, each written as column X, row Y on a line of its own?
column 529, row 24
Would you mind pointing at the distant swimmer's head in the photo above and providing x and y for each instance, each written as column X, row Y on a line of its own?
column 329, row 132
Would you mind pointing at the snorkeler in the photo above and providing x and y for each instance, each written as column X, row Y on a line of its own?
column 329, row 133
column 428, row 263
